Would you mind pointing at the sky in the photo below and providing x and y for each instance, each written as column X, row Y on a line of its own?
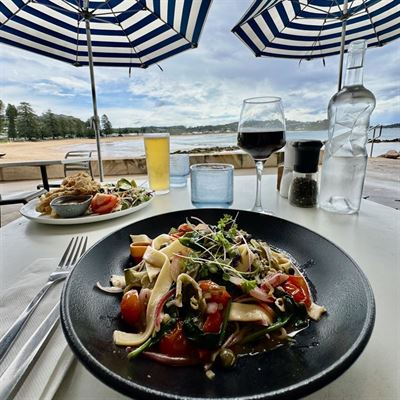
column 198, row 87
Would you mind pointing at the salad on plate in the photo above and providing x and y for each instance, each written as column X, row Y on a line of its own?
column 209, row 294
column 107, row 197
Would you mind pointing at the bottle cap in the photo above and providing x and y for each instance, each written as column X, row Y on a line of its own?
column 307, row 155
column 356, row 52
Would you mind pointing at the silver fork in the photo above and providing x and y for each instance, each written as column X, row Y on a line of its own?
column 75, row 249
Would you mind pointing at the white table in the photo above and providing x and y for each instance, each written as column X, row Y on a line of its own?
column 43, row 164
column 371, row 238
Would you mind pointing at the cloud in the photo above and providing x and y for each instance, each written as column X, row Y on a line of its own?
column 76, row 85
column 48, row 88
column 201, row 86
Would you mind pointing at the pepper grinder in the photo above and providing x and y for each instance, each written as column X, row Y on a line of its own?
column 303, row 190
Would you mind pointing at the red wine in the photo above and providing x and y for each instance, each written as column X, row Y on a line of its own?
column 260, row 145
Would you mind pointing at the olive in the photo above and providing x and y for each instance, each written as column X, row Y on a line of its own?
column 291, row 271
column 227, row 358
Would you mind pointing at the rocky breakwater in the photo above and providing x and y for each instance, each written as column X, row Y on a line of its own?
column 231, row 155
column 392, row 154
column 137, row 166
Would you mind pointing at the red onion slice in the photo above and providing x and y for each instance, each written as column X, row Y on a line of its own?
column 276, row 279
column 259, row 294
column 173, row 361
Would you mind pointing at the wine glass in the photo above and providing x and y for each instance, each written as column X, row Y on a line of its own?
column 261, row 131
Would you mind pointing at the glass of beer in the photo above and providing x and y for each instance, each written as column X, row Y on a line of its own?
column 157, row 160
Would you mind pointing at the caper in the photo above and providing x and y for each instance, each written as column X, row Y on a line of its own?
column 227, row 358
column 213, row 268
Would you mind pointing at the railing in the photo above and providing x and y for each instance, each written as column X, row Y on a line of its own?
column 374, row 136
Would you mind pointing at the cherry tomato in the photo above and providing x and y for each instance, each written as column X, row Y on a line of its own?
column 131, row 307
column 103, row 203
column 137, row 252
column 182, row 229
column 297, row 287
column 175, row 344
column 218, row 293
column 208, row 285
column 213, row 322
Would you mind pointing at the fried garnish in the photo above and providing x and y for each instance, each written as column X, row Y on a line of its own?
column 78, row 184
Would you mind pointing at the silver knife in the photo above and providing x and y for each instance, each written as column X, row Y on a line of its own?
column 25, row 359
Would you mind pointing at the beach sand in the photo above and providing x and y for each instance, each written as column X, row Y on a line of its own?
column 49, row 149
column 382, row 182
column 56, row 149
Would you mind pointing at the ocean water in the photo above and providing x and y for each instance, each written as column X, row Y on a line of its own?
column 135, row 148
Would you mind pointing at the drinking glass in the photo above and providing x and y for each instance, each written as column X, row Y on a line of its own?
column 261, row 131
column 212, row 185
column 157, row 161
column 179, row 169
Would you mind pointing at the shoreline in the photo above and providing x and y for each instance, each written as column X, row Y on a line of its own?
column 381, row 184
column 56, row 149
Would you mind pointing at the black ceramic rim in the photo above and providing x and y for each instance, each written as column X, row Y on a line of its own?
column 305, row 387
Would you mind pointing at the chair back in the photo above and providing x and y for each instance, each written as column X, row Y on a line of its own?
column 78, row 166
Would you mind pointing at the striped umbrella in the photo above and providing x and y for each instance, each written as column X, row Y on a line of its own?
column 114, row 33
column 308, row 29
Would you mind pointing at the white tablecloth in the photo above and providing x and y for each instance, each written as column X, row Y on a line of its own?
column 51, row 366
column 371, row 238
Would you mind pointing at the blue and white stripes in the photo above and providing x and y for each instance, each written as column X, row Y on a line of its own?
column 132, row 33
column 312, row 28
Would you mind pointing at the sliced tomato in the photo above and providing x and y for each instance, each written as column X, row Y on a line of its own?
column 175, row 344
column 213, row 322
column 131, row 307
column 297, row 287
column 182, row 229
column 103, row 203
column 100, row 199
column 208, row 285
column 176, row 235
column 214, row 293
column 217, row 293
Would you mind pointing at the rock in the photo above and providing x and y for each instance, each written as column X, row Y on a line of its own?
column 215, row 149
column 391, row 154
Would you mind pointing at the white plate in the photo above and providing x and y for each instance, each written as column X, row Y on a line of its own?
column 29, row 211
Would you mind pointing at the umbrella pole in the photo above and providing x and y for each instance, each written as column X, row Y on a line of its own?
column 342, row 44
column 94, row 100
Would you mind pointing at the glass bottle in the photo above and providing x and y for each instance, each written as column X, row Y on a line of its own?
column 345, row 159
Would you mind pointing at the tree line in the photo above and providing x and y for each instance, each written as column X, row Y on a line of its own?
column 22, row 123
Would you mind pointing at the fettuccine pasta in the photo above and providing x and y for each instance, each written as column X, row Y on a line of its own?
column 202, row 293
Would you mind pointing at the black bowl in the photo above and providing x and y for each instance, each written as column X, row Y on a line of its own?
column 321, row 353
